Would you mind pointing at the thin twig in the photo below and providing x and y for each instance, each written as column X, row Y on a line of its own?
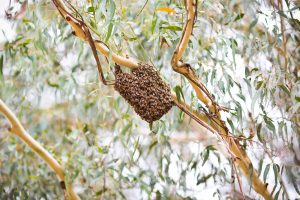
column 142, row 8
column 100, row 46
column 238, row 177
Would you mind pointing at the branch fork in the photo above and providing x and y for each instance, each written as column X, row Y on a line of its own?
column 212, row 123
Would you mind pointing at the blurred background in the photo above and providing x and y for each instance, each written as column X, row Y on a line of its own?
column 246, row 52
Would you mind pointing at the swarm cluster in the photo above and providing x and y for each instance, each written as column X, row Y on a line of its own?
column 145, row 91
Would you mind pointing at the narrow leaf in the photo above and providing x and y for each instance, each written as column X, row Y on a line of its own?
column 172, row 27
column 285, row 89
column 1, row 68
column 266, row 172
column 110, row 27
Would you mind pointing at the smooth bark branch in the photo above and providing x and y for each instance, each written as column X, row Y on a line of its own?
column 100, row 46
column 18, row 130
column 240, row 156
column 184, row 68
column 214, row 124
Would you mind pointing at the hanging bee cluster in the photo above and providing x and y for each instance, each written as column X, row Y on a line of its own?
column 145, row 91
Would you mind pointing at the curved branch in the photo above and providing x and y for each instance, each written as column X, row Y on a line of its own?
column 79, row 32
column 215, row 124
column 18, row 130
column 240, row 156
column 184, row 68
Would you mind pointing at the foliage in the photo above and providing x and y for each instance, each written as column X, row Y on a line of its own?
column 247, row 59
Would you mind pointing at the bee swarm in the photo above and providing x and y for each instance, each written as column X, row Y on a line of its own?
column 145, row 91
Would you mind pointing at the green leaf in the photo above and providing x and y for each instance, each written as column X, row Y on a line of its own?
column 85, row 128
column 295, row 184
column 110, row 27
column 203, row 179
column 213, row 75
column 206, row 155
column 25, row 42
column 281, row 13
column 103, row 150
column 153, row 24
column 253, row 23
column 259, row 128
column 266, row 172
column 112, row 9
column 241, row 96
column 131, row 39
column 135, row 147
column 210, row 148
column 294, row 8
column 181, row 116
column 276, row 169
column 33, row 177
column 259, row 84
column 247, row 72
column 52, row 84
column 126, row 128
column 151, row 126
column 284, row 88
column 277, row 194
column 231, row 125
column 259, row 135
column 295, row 23
column 91, row 9
column 179, row 93
column 251, row 170
column 172, row 28
column 296, row 98
column 153, row 144
column 125, row 116
column 239, row 16
column 194, row 165
column 270, row 124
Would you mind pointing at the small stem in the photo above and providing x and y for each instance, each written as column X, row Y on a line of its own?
column 238, row 177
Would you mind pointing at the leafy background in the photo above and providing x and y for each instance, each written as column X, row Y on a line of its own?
column 48, row 77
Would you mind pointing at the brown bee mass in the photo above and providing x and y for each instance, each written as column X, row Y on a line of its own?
column 145, row 91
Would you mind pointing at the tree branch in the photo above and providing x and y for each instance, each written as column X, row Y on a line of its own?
column 18, row 130
column 79, row 32
column 213, row 124
column 184, row 68
column 203, row 95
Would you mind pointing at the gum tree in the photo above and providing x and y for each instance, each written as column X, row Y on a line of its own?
column 225, row 70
